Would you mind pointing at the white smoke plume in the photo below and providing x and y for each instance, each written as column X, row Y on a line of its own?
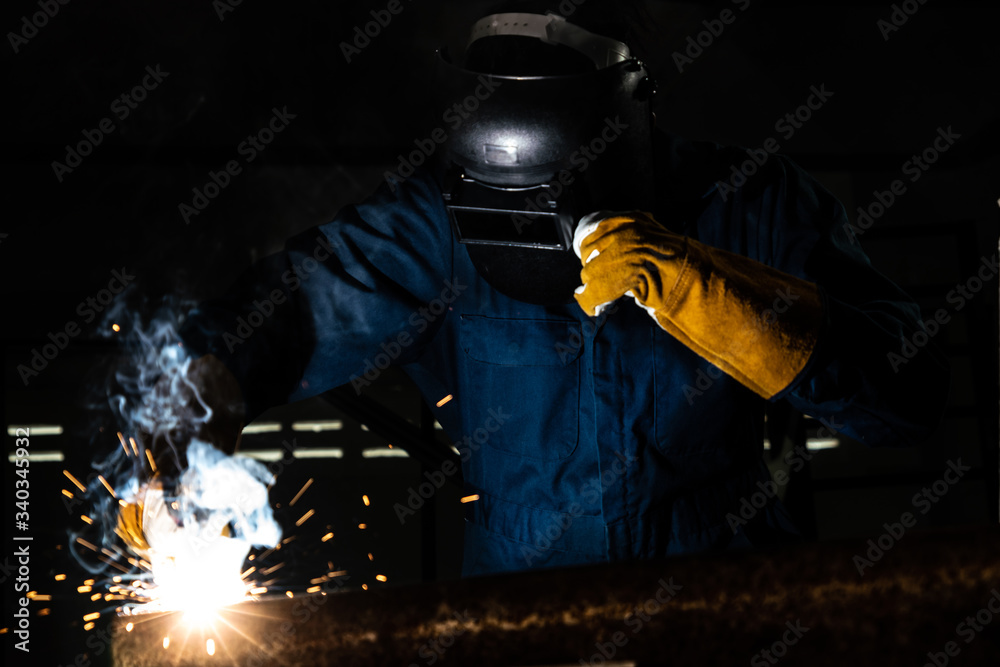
column 200, row 521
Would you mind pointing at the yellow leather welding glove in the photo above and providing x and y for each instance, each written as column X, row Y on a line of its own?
column 723, row 306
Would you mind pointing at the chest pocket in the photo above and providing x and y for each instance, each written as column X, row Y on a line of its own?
column 528, row 369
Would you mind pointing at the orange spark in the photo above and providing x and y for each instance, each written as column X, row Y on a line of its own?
column 301, row 491
column 86, row 544
column 74, row 480
column 107, row 486
column 152, row 464
column 121, row 439
column 444, row 400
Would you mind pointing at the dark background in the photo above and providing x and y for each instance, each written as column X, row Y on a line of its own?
column 119, row 208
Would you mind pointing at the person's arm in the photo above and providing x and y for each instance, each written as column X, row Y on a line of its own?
column 774, row 293
column 306, row 319
column 853, row 382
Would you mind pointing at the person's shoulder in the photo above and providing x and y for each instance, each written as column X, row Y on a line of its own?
column 704, row 168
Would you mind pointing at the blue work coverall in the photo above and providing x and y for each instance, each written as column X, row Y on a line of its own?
column 587, row 439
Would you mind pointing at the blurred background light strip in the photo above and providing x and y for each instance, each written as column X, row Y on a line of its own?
column 36, row 429
column 38, row 456
column 262, row 427
column 319, row 453
column 318, row 425
column 813, row 444
column 263, row 454
column 822, row 443
column 384, row 453
column 302, row 453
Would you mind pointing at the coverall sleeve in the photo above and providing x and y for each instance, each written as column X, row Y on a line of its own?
column 341, row 298
column 852, row 382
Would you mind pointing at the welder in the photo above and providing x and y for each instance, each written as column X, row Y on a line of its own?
column 589, row 300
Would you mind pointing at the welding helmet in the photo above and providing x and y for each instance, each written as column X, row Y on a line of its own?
column 547, row 122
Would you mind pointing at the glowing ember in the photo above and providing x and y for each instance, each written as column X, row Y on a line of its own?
column 166, row 642
column 210, row 646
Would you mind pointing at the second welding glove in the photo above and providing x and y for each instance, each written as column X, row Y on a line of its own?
column 719, row 304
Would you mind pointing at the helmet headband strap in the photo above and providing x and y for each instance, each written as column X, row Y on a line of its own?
column 553, row 29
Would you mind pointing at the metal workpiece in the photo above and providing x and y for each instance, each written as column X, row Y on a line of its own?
column 893, row 600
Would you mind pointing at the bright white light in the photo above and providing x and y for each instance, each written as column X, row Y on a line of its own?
column 263, row 454
column 318, row 425
column 813, row 444
column 384, row 453
column 42, row 456
column 195, row 570
column 262, row 427
column 36, row 429
column 320, row 453
column 195, row 564
column 822, row 443
column 310, row 453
